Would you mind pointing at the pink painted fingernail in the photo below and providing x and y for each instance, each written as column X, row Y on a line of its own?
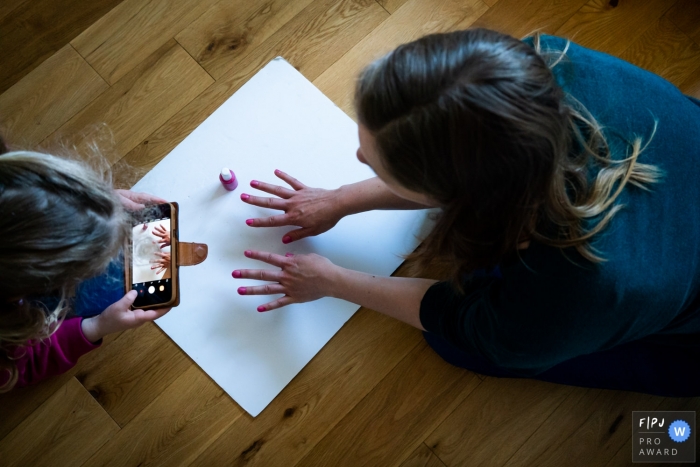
column 254, row 183
column 286, row 239
column 277, row 171
column 248, row 253
column 261, row 308
column 241, row 290
column 249, row 221
column 289, row 254
column 236, row 274
column 245, row 197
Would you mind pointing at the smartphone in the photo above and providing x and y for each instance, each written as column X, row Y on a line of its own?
column 150, row 262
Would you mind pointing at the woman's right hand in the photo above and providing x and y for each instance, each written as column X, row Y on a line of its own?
column 314, row 210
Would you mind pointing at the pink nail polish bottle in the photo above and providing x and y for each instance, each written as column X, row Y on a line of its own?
column 228, row 179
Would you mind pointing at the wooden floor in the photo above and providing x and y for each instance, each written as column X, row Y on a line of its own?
column 376, row 395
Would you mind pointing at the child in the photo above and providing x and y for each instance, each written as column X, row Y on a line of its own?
column 60, row 224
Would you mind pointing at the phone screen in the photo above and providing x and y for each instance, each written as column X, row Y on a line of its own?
column 151, row 259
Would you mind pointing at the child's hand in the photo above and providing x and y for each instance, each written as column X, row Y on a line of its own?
column 133, row 201
column 119, row 317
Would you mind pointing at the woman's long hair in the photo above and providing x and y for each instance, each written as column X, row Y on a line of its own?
column 60, row 223
column 476, row 121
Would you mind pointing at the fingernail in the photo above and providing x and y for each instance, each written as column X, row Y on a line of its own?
column 261, row 308
column 254, row 183
column 241, row 290
column 289, row 254
column 247, row 253
column 245, row 197
column 277, row 171
column 249, row 221
column 286, row 239
column 236, row 274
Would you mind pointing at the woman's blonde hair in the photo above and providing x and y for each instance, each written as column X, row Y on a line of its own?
column 476, row 120
column 60, row 223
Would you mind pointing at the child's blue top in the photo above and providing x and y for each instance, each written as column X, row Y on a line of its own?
column 545, row 309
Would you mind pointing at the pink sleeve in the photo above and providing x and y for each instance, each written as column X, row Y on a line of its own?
column 53, row 356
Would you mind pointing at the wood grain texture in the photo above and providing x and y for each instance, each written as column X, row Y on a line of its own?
column 129, row 33
column 133, row 371
column 55, row 433
column 665, row 50
column 391, row 5
column 232, row 29
column 603, row 428
column 48, row 97
column 521, row 18
column 414, row 19
column 498, row 410
column 9, row 6
column 422, row 457
column 32, row 31
column 18, row 404
column 691, row 86
column 686, row 15
column 311, row 42
column 612, row 30
column 490, row 2
column 179, row 425
column 139, row 103
column 384, row 429
column 357, row 358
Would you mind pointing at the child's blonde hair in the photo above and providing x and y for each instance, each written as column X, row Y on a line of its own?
column 60, row 223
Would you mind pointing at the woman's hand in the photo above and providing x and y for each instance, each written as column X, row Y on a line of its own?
column 164, row 235
column 315, row 210
column 162, row 262
column 119, row 317
column 301, row 278
column 133, row 201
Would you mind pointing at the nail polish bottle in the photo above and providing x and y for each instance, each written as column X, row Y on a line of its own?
column 228, row 179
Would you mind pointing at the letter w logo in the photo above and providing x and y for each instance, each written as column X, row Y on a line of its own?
column 680, row 430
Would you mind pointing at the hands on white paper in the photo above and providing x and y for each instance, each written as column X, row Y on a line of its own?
column 301, row 278
column 314, row 210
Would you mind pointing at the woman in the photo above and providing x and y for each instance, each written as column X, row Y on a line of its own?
column 567, row 182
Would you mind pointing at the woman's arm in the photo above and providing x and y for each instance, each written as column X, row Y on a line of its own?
column 369, row 195
column 316, row 210
column 304, row 278
column 398, row 297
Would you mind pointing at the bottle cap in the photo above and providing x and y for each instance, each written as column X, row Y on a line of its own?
column 226, row 174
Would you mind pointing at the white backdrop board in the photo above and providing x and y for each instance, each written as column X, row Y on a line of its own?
column 278, row 120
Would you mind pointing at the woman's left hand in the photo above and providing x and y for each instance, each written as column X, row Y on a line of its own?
column 301, row 278
column 133, row 201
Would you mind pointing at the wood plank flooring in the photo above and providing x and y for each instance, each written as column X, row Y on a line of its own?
column 138, row 76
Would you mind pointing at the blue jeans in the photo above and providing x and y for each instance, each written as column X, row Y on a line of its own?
column 94, row 295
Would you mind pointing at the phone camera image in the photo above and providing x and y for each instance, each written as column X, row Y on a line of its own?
column 151, row 258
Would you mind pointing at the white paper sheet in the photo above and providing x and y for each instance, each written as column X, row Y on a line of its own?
column 278, row 120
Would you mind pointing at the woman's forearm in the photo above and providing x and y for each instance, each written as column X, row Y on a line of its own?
column 398, row 297
column 369, row 195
